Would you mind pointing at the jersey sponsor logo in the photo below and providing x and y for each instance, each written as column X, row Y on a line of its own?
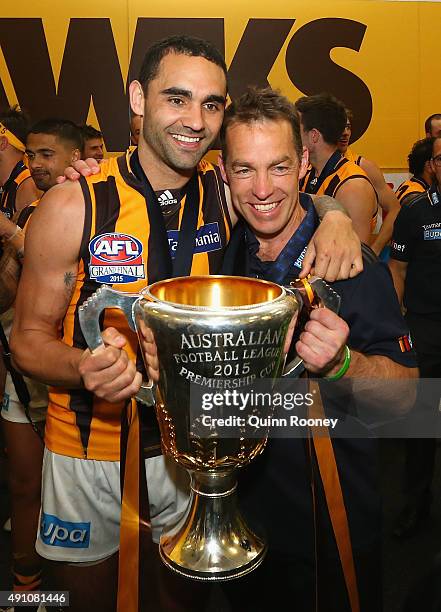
column 208, row 239
column 299, row 261
column 398, row 247
column 432, row 234
column 116, row 258
column 55, row 532
column 166, row 198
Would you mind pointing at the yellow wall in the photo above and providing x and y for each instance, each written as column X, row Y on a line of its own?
column 396, row 59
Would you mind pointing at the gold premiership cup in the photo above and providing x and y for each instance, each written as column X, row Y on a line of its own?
column 214, row 332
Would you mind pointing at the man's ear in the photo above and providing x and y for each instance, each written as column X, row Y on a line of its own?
column 136, row 96
column 76, row 155
column 220, row 163
column 3, row 143
column 304, row 163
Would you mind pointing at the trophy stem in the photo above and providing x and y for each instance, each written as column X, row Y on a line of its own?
column 211, row 541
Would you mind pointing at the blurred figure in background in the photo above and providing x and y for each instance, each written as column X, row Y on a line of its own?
column 135, row 128
column 386, row 198
column 93, row 145
column 421, row 169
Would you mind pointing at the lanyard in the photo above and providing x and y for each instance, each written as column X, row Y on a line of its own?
column 159, row 249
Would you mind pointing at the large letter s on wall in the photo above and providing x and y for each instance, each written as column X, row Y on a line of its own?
column 312, row 71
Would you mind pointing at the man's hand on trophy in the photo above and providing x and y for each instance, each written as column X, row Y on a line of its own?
column 150, row 351
column 108, row 372
column 322, row 342
column 81, row 167
column 334, row 252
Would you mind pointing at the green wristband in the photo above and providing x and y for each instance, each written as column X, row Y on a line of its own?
column 344, row 368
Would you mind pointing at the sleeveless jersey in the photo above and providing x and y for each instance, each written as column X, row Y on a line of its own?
column 9, row 192
column 413, row 185
column 353, row 157
column 115, row 251
column 343, row 171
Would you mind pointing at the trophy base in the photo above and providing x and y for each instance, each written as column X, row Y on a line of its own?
column 211, row 542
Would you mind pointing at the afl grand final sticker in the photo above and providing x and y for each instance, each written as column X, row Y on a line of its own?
column 116, row 258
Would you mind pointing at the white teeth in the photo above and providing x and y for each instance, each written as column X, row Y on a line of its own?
column 265, row 207
column 185, row 138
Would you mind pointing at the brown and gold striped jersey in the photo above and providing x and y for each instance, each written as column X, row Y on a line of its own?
column 343, row 171
column 412, row 187
column 115, row 251
column 19, row 174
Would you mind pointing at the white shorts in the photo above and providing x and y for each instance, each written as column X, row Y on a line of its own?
column 81, row 505
column 11, row 408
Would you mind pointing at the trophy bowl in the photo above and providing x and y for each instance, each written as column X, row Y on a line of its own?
column 212, row 333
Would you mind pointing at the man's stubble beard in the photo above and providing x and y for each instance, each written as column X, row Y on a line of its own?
column 170, row 157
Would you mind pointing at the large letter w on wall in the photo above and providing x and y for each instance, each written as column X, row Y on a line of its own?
column 90, row 68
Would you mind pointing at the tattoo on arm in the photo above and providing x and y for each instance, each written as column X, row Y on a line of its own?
column 324, row 204
column 69, row 279
column 69, row 283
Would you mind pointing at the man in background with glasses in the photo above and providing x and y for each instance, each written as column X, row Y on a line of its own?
column 416, row 269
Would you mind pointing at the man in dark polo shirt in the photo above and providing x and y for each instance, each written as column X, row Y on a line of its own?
column 262, row 163
column 416, row 269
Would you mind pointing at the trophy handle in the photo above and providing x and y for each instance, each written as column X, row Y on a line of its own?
column 89, row 313
column 315, row 293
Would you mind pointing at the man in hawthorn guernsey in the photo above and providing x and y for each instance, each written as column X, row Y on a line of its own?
column 17, row 189
column 416, row 267
column 420, row 167
column 386, row 197
column 93, row 144
column 121, row 226
column 51, row 145
column 322, row 121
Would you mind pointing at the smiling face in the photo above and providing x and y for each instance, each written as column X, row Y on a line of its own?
column 263, row 170
column 93, row 147
column 183, row 111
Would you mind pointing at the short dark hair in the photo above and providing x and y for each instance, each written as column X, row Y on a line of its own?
column 88, row 132
column 428, row 122
column 324, row 113
column 181, row 45
column 258, row 104
column 63, row 129
column 16, row 121
column 421, row 153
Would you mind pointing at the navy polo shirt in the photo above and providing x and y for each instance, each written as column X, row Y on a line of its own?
column 276, row 488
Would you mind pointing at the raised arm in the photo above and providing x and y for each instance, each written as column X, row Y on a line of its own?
column 334, row 252
column 48, row 280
